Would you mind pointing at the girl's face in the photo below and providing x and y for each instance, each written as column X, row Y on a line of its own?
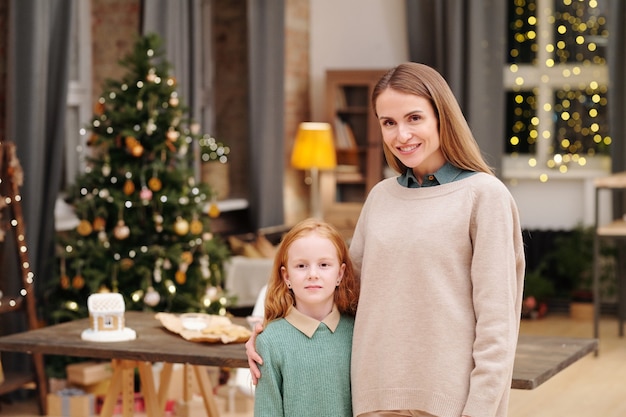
column 410, row 129
column 313, row 271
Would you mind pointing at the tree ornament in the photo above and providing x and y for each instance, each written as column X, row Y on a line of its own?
column 121, row 231
column 196, row 227
column 158, row 222
column 84, row 228
column 152, row 297
column 139, row 105
column 180, row 277
column 155, row 184
column 174, row 101
column 186, row 257
column 214, row 210
column 137, row 150
column 150, row 127
column 126, row 264
column 181, row 226
column 99, row 223
column 78, row 282
column 129, row 187
column 145, row 194
column 172, row 135
column 65, row 282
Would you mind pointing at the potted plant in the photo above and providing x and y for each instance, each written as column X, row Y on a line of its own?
column 537, row 290
column 573, row 263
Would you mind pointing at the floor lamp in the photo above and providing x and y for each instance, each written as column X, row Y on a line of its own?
column 314, row 149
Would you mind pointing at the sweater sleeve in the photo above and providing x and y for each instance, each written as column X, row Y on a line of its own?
column 268, row 396
column 497, row 274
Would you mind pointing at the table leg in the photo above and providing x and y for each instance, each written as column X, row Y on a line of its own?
column 149, row 392
column 123, row 380
column 206, row 389
column 164, row 383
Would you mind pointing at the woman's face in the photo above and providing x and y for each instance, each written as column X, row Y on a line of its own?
column 410, row 129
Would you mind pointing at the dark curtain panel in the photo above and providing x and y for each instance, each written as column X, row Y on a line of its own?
column 38, row 50
column 616, row 59
column 178, row 25
column 267, row 159
column 465, row 41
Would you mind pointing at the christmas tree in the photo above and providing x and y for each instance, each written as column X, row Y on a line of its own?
column 144, row 227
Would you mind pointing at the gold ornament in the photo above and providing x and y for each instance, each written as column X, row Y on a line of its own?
column 126, row 264
column 186, row 257
column 137, row 150
column 181, row 227
column 155, row 184
column 84, row 228
column 196, row 227
column 180, row 277
column 214, row 210
column 129, row 187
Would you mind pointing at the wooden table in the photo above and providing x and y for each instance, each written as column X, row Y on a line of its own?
column 153, row 344
column 537, row 359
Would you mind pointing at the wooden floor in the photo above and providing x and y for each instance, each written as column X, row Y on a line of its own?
column 592, row 387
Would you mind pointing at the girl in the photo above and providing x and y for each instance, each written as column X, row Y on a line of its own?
column 309, row 316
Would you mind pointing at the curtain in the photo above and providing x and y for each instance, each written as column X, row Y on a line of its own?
column 178, row 23
column 461, row 41
column 616, row 59
column 266, row 63
column 37, row 79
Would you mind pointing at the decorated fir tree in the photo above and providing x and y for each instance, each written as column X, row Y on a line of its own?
column 144, row 229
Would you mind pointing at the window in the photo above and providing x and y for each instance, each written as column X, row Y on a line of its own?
column 556, row 81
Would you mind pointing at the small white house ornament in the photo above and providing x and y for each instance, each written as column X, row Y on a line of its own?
column 106, row 317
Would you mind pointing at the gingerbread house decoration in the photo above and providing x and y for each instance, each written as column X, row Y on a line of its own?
column 106, row 318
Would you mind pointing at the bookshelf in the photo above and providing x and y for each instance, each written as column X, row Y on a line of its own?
column 360, row 159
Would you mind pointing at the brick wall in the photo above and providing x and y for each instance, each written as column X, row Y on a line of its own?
column 115, row 25
column 297, row 103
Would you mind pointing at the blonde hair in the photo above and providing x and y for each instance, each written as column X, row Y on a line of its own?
column 456, row 139
column 280, row 299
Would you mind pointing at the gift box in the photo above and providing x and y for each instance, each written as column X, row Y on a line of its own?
column 139, row 405
column 88, row 373
column 71, row 402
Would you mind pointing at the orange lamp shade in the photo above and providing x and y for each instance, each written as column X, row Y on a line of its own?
column 314, row 147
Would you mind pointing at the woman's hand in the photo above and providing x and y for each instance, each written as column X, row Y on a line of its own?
column 253, row 356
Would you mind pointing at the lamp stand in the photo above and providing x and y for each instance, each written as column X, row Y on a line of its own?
column 316, row 207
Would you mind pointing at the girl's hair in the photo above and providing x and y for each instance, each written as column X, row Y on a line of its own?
column 279, row 299
column 456, row 140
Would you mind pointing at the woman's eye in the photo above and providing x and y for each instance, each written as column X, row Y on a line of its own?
column 387, row 123
column 414, row 117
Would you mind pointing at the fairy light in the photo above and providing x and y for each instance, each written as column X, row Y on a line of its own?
column 10, row 185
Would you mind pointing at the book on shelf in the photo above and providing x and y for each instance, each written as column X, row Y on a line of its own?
column 344, row 135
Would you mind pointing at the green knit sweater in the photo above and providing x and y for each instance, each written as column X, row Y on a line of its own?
column 304, row 376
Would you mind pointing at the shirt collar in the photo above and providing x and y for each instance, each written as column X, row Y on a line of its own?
column 309, row 325
column 447, row 173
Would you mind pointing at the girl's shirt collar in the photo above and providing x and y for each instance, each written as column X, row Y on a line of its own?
column 309, row 325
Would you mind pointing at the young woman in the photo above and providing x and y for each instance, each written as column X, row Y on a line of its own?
column 310, row 304
column 440, row 255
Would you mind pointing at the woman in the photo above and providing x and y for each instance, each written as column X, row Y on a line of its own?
column 440, row 256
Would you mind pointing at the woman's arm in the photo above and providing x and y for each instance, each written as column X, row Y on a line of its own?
column 253, row 356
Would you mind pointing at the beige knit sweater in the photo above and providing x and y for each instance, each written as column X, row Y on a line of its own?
column 442, row 272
